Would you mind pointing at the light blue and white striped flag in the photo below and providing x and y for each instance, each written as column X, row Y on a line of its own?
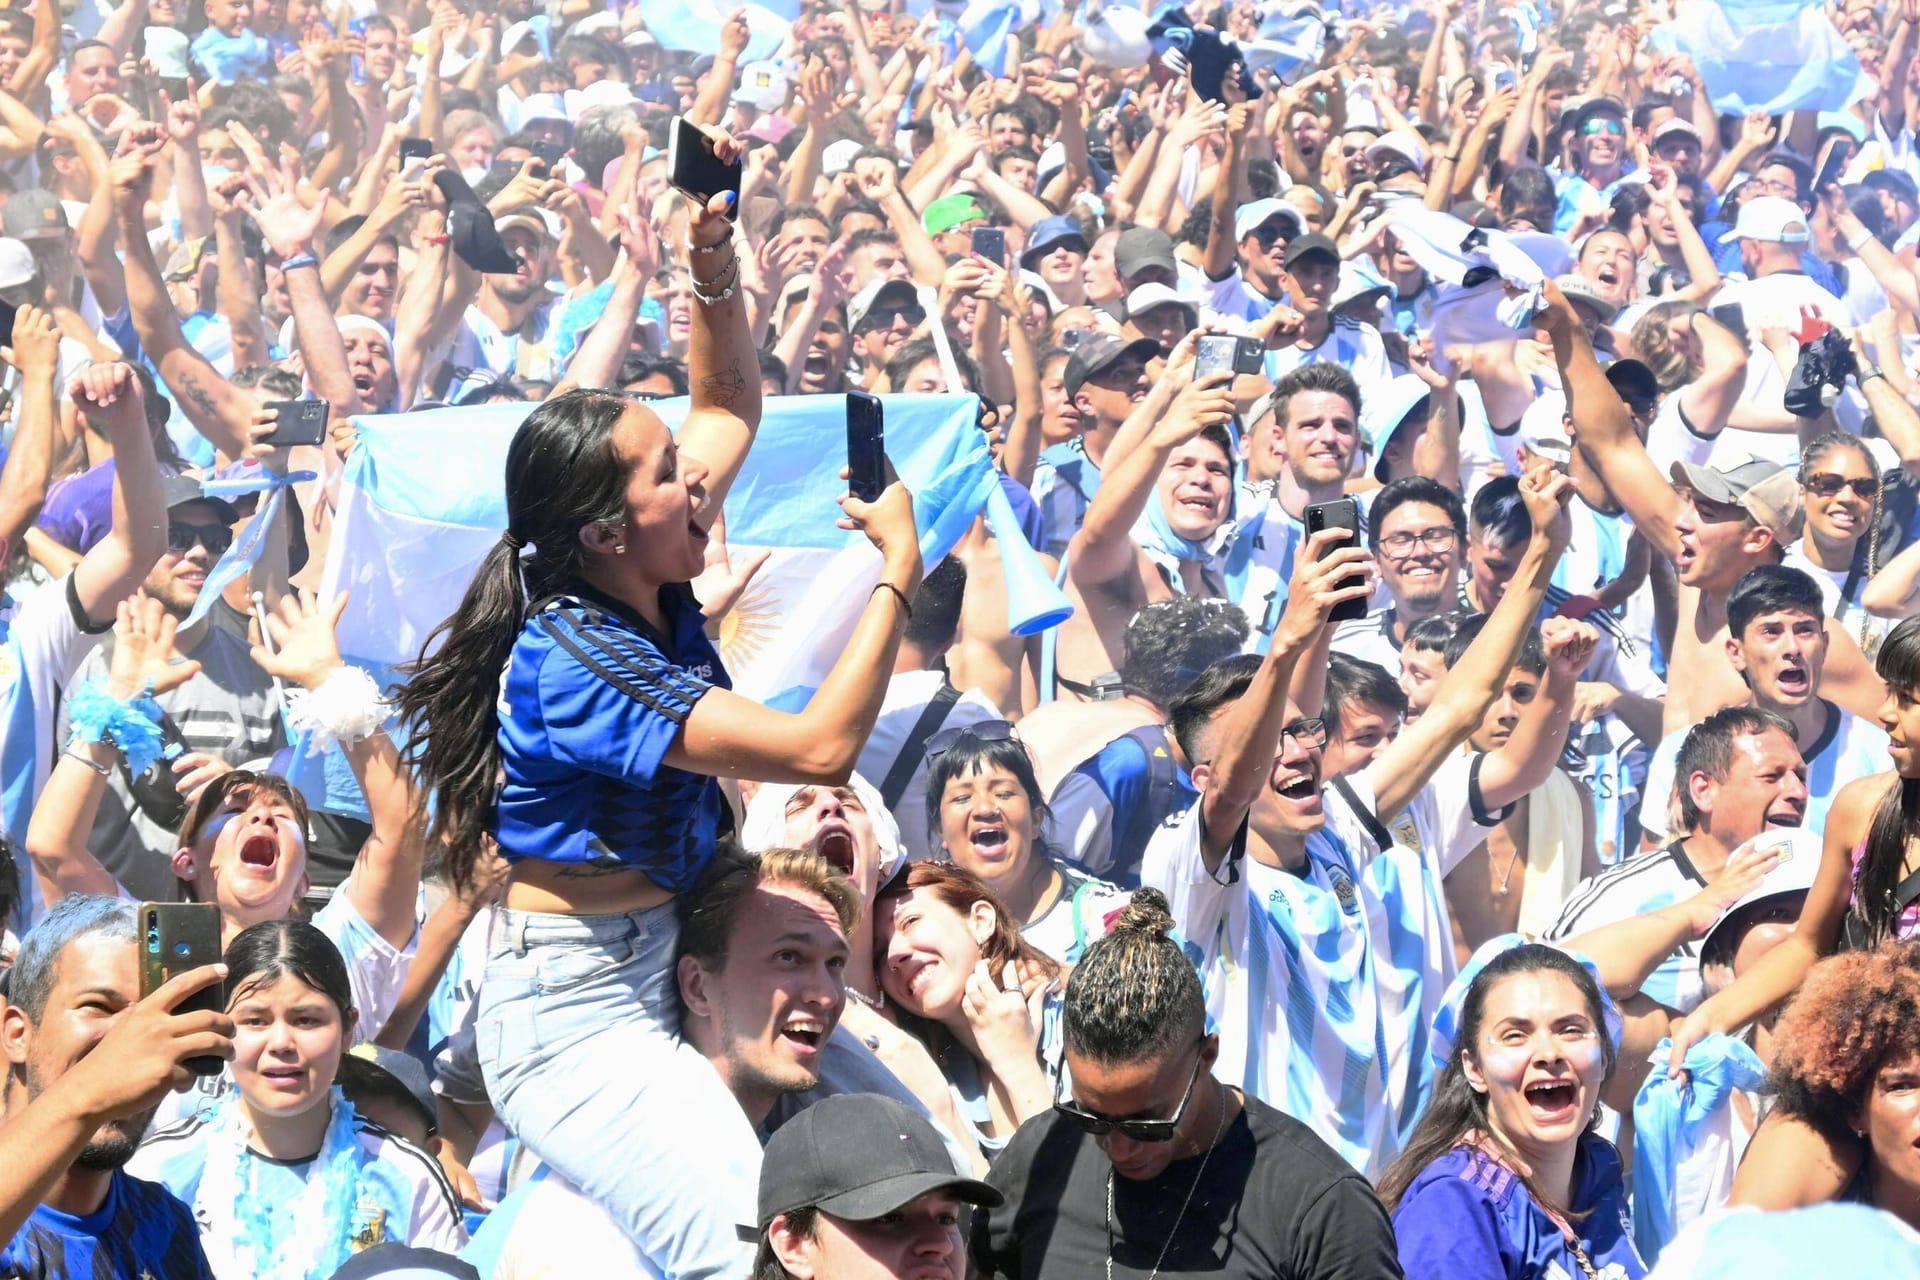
column 422, row 501
column 986, row 26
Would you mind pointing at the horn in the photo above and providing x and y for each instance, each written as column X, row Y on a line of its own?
column 1034, row 601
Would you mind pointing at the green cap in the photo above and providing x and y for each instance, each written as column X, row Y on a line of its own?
column 948, row 212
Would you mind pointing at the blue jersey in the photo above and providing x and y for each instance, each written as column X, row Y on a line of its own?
column 1467, row 1217
column 140, row 1231
column 1109, row 807
column 592, row 700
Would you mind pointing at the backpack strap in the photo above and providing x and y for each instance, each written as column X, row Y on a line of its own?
column 932, row 716
column 1381, row 836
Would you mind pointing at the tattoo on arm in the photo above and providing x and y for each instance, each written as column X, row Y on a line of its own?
column 724, row 386
column 201, row 399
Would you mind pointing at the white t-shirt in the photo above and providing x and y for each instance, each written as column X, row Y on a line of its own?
column 1847, row 613
column 1671, row 438
column 1644, row 882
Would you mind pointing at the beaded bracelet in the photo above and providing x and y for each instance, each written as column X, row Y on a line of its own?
column 730, row 273
column 710, row 248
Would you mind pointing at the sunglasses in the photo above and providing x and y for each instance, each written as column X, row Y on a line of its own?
column 1825, row 484
column 1269, row 234
column 985, row 731
column 1099, row 1126
column 182, row 537
column 885, row 317
column 1614, row 127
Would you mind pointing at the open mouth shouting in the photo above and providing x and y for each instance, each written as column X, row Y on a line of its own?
column 1553, row 1101
column 260, row 851
column 805, row 1035
column 834, row 842
column 1794, row 680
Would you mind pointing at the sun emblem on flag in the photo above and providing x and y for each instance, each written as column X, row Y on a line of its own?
column 749, row 627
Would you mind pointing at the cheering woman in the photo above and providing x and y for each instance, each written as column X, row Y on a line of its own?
column 576, row 710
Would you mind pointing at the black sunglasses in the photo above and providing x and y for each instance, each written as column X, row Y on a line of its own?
column 183, row 537
column 1825, row 484
column 1100, row 1126
column 985, row 731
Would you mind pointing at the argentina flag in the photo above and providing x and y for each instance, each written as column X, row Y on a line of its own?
column 422, row 500
column 1767, row 55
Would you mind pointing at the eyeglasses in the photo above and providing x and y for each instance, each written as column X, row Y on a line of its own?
column 1438, row 541
column 183, row 537
column 1825, row 484
column 1100, row 1126
column 1309, row 732
column 1607, row 126
column 1270, row 233
column 985, row 731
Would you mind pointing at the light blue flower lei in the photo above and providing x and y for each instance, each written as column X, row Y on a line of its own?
column 134, row 725
column 313, row 1235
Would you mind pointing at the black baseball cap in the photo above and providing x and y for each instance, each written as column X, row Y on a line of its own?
column 178, row 491
column 392, row 1261
column 1634, row 381
column 858, row 1156
column 1307, row 246
column 1099, row 351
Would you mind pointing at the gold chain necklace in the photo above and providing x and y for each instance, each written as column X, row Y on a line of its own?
column 1219, row 1128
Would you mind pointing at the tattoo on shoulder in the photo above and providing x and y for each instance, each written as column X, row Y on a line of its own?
column 724, row 386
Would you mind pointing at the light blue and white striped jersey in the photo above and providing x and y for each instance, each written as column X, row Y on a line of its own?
column 1229, row 299
column 1645, row 882
column 1353, row 346
column 1259, row 560
column 1317, row 980
column 1850, row 748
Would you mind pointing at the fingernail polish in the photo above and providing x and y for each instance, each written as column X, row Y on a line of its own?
column 732, row 198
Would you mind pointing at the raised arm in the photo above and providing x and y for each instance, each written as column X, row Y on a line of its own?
column 290, row 226
column 110, row 398
column 1469, row 688
column 385, row 881
column 1229, row 186
column 1528, row 757
column 724, row 366
column 711, row 102
column 35, row 352
column 1604, row 431
column 596, row 363
column 42, row 55
column 1247, row 739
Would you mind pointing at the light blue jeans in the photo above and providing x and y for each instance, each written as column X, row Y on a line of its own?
column 578, row 1034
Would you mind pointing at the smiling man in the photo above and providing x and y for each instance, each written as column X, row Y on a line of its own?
column 1417, row 529
column 1777, row 640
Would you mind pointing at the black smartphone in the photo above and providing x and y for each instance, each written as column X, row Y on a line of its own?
column 297, row 422
column 1832, row 166
column 414, row 149
column 549, row 153
column 866, row 446
column 7, row 313
column 694, row 169
column 991, row 244
column 1341, row 513
column 1226, row 353
column 176, row 937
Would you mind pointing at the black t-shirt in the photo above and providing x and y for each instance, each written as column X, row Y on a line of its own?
column 1276, row 1204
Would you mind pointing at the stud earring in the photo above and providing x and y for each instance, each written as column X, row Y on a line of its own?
column 619, row 548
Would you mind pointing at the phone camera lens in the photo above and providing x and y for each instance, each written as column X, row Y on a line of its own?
column 181, row 949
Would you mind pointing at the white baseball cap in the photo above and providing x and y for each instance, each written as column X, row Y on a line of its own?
column 1249, row 216
column 1773, row 219
column 1402, row 143
column 16, row 263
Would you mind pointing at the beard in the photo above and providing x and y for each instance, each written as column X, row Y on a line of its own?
column 112, row 1144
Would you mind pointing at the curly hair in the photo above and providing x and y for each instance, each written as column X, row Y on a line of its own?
column 1855, row 1013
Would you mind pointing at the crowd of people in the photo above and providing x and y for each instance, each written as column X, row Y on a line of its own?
column 1466, row 825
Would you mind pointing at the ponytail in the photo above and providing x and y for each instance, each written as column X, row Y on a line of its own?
column 563, row 473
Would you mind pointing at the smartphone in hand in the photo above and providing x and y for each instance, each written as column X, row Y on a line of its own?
column 695, row 169
column 1341, row 513
column 176, row 937
column 1226, row 353
column 866, row 446
column 297, row 422
column 415, row 149
column 991, row 244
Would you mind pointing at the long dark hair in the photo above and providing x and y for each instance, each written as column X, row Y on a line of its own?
column 1458, row 1112
column 1896, row 822
column 563, row 474
column 262, row 954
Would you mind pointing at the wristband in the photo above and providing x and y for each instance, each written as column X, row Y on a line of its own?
column 441, row 239
column 346, row 709
column 899, row 595
column 75, row 753
column 299, row 260
column 133, row 726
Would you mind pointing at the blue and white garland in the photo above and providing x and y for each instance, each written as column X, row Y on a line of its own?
column 312, row 1235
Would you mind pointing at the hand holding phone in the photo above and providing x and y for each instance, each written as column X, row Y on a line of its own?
column 991, row 243
column 1341, row 513
column 1227, row 353
column 415, row 149
column 866, row 446
column 695, row 169
column 175, row 939
column 297, row 422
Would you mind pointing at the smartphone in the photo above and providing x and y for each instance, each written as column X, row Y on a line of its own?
column 1225, row 353
column 1733, row 316
column 297, row 422
column 694, row 169
column 991, row 244
column 550, row 153
column 414, row 149
column 1504, row 79
column 1832, row 166
column 176, row 937
column 1341, row 513
column 1070, row 339
column 866, row 446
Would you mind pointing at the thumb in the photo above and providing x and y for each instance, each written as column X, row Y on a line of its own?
column 721, row 205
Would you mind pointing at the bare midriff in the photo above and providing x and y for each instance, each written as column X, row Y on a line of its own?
column 581, row 889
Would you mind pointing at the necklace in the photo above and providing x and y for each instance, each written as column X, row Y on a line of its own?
column 1219, row 1127
column 1500, row 890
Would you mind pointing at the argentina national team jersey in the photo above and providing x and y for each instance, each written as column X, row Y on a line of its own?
column 1259, row 560
column 1353, row 346
column 141, row 1232
column 1316, row 979
column 1643, row 883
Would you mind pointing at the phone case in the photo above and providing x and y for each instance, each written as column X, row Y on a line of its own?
column 1343, row 513
column 176, row 937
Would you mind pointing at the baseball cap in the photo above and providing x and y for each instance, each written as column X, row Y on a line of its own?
column 898, row 292
column 1149, row 296
column 771, row 128
column 763, row 85
column 1634, row 381
column 1249, row 216
column 531, row 219
column 1766, row 490
column 1358, row 281
column 1100, row 351
column 1385, row 412
column 1774, row 219
column 1794, row 872
column 1545, row 436
column 1581, row 289
column 178, row 491
column 858, row 1156
column 1143, row 248
column 1049, row 232
column 948, row 212
column 391, row 1261
column 1675, row 126
column 405, row 1070
column 840, row 155
column 16, row 263
column 1400, row 143
column 33, row 214
column 1312, row 244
